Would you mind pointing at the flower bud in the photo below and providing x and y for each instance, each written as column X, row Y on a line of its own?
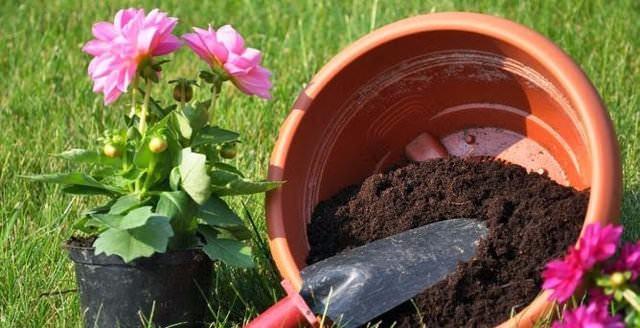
column 228, row 150
column 158, row 144
column 117, row 139
column 617, row 280
column 183, row 91
column 110, row 150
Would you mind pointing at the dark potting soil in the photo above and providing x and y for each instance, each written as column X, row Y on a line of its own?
column 531, row 220
column 77, row 241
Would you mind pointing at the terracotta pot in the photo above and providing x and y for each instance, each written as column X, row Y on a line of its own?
column 450, row 75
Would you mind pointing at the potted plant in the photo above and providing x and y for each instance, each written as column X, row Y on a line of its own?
column 146, row 252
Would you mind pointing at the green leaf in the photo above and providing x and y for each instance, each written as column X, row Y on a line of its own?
column 99, row 209
column 134, row 243
column 172, row 204
column 174, row 178
column 183, row 125
column 84, row 190
column 194, row 178
column 239, row 232
column 211, row 135
column 89, row 225
column 198, row 115
column 74, row 178
column 124, row 180
column 135, row 218
column 226, row 167
column 88, row 156
column 230, row 251
column 178, row 207
column 226, row 183
column 124, row 204
column 217, row 213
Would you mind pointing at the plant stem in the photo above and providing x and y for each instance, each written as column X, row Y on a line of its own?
column 134, row 92
column 214, row 93
column 631, row 298
column 147, row 179
column 142, row 126
column 216, row 88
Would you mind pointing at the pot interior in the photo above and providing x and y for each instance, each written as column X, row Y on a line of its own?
column 450, row 84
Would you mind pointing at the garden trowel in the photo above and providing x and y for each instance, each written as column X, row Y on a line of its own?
column 359, row 284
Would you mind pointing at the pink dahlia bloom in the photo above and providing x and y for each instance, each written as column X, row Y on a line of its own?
column 119, row 47
column 225, row 50
column 594, row 315
column 563, row 276
column 596, row 296
column 598, row 243
column 629, row 260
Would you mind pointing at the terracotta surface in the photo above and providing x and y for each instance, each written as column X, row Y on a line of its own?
column 425, row 147
column 480, row 84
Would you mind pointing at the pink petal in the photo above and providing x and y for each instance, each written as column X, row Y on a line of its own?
column 111, row 96
column 168, row 45
column 145, row 40
column 242, row 64
column 98, row 84
column 103, row 31
column 126, row 76
column 134, row 25
column 195, row 43
column 101, row 66
column 96, row 47
column 231, row 39
column 256, row 82
column 236, row 65
column 254, row 56
column 154, row 17
column 212, row 45
column 124, row 16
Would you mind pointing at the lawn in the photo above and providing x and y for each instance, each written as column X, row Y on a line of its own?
column 46, row 106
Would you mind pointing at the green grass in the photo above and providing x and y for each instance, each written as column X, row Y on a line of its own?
column 46, row 106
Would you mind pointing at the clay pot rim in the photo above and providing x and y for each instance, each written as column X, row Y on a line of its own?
column 602, row 144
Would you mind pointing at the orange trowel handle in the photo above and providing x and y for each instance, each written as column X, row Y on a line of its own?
column 289, row 312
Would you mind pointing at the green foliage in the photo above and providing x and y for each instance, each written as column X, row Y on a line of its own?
column 228, row 250
column 216, row 212
column 194, row 178
column 141, row 241
column 230, row 183
column 212, row 135
column 164, row 184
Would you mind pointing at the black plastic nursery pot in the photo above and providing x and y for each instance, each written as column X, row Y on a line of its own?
column 166, row 289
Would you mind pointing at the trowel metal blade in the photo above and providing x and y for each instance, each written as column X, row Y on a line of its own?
column 358, row 285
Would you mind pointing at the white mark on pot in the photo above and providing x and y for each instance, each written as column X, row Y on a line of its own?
column 469, row 139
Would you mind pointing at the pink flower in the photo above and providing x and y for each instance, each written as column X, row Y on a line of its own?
column 563, row 276
column 598, row 243
column 225, row 50
column 596, row 296
column 594, row 315
column 629, row 260
column 119, row 47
